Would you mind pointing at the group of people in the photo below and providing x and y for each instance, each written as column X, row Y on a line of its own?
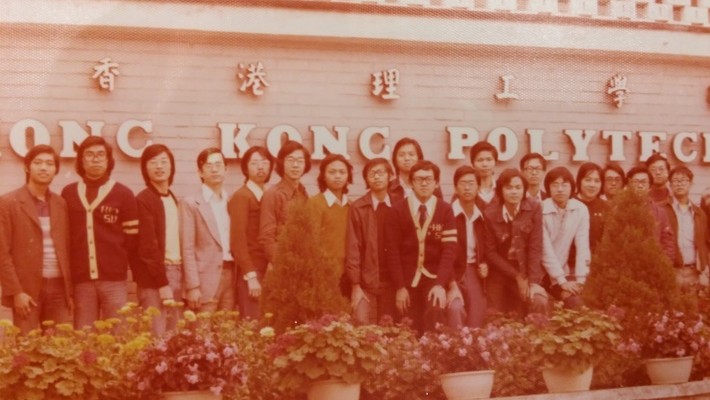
column 511, row 243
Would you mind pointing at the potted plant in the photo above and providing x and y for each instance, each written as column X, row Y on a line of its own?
column 190, row 363
column 569, row 343
column 460, row 358
column 328, row 357
column 669, row 343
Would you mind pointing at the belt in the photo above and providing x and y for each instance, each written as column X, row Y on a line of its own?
column 228, row 264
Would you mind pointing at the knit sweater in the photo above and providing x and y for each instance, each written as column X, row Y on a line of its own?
column 333, row 220
column 103, row 233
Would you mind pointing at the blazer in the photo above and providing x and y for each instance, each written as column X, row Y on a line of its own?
column 21, row 245
column 700, row 236
column 479, row 231
column 519, row 241
column 202, row 259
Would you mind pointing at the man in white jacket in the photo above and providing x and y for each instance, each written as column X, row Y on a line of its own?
column 565, row 231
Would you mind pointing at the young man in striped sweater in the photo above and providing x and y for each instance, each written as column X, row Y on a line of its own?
column 421, row 247
column 103, row 224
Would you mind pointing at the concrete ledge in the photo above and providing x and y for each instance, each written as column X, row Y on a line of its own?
column 691, row 390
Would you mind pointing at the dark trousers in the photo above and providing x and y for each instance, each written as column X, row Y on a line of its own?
column 422, row 312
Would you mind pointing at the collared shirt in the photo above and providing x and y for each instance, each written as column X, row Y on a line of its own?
column 407, row 189
column 686, row 231
column 172, row 229
column 537, row 196
column 50, row 266
column 376, row 203
column 506, row 215
column 221, row 216
column 256, row 190
column 470, row 236
column 331, row 199
column 414, row 204
column 487, row 195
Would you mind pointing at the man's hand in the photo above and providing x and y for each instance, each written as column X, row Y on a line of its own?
column 452, row 294
column 523, row 287
column 437, row 296
column 402, row 300
column 23, row 304
column 254, row 287
column 571, row 286
column 193, row 298
column 357, row 296
column 165, row 293
column 483, row 270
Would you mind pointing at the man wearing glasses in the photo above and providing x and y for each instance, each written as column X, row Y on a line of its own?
column 103, row 219
column 658, row 168
column 421, row 249
column 689, row 223
column 533, row 167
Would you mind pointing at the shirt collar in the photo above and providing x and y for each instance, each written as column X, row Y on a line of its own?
column 255, row 189
column 430, row 204
column 331, row 199
column 208, row 194
column 549, row 206
column 458, row 210
column 676, row 205
column 376, row 202
column 506, row 215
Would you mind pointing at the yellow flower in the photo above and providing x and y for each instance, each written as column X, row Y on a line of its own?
column 189, row 315
column 267, row 331
column 5, row 323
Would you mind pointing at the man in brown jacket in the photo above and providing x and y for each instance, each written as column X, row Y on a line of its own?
column 34, row 247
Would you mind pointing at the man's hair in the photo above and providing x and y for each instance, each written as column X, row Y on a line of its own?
column 481, row 147
column 657, row 157
column 612, row 166
column 247, row 157
column 681, row 170
column 89, row 142
column 288, row 148
column 533, row 156
column 205, row 154
column 374, row 163
column 329, row 159
column 636, row 170
column 151, row 152
column 557, row 173
column 401, row 143
column 506, row 177
column 34, row 152
column 584, row 170
column 465, row 170
column 425, row 165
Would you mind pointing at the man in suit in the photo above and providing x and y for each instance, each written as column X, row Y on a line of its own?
column 421, row 249
column 34, row 246
column 208, row 264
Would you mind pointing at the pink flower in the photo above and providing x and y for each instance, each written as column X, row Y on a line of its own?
column 162, row 367
column 462, row 352
column 192, row 378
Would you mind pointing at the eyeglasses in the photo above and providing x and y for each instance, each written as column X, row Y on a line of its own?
column 294, row 161
column 376, row 173
column 531, row 170
column 98, row 156
column 613, row 179
column 420, row 180
column 681, row 181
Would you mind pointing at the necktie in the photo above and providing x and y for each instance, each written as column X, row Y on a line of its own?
column 422, row 215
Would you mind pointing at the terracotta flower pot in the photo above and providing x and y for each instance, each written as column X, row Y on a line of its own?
column 192, row 395
column 560, row 380
column 665, row 371
column 334, row 389
column 467, row 385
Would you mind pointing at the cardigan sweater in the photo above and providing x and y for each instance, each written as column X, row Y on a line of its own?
column 103, row 233
column 333, row 222
column 413, row 251
column 244, row 211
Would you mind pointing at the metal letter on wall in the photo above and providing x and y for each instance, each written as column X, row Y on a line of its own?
column 617, row 89
column 506, row 94
column 384, row 84
column 106, row 72
column 253, row 77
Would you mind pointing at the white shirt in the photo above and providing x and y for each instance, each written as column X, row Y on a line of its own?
column 470, row 235
column 686, row 231
column 507, row 217
column 172, row 237
column 561, row 228
column 376, row 203
column 256, row 190
column 221, row 216
column 407, row 189
column 331, row 199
